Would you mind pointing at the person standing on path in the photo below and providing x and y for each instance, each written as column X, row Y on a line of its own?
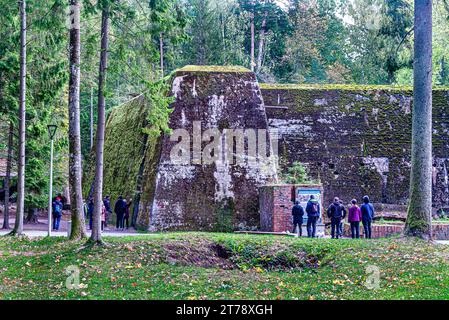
column 107, row 205
column 127, row 210
column 336, row 212
column 313, row 214
column 90, row 212
column 367, row 210
column 57, row 213
column 103, row 216
column 341, row 225
column 354, row 218
column 298, row 214
column 119, row 208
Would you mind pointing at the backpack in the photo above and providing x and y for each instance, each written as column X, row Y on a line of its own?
column 58, row 209
column 314, row 207
column 334, row 211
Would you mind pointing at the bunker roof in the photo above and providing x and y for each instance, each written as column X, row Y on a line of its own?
column 348, row 87
column 213, row 69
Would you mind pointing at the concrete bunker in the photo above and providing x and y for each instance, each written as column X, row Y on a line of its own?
column 355, row 140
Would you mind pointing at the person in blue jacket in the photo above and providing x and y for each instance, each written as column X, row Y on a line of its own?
column 313, row 214
column 298, row 214
column 367, row 216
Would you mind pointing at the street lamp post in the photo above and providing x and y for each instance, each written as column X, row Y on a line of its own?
column 51, row 132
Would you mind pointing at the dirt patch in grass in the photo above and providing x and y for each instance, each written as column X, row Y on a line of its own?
column 202, row 254
column 211, row 254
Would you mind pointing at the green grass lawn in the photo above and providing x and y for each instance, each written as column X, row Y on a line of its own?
column 223, row 266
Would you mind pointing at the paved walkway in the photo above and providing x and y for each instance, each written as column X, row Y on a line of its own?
column 40, row 229
column 40, row 233
column 442, row 241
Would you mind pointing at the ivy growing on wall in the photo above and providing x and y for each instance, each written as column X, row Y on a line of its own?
column 158, row 100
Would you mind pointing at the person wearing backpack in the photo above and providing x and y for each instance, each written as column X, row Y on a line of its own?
column 57, row 213
column 336, row 212
column 298, row 214
column 367, row 210
column 313, row 214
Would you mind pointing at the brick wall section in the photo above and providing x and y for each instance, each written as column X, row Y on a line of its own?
column 276, row 206
column 282, row 213
column 440, row 231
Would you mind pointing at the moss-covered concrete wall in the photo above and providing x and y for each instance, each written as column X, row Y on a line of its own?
column 356, row 139
column 130, row 158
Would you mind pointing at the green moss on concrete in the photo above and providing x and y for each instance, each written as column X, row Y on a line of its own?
column 126, row 149
column 146, row 184
column 345, row 87
column 218, row 69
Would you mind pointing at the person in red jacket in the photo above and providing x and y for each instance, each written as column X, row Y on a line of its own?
column 354, row 218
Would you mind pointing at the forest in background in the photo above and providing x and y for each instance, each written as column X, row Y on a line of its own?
column 293, row 41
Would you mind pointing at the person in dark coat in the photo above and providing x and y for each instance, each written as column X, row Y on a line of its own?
column 354, row 218
column 336, row 212
column 119, row 208
column 107, row 205
column 367, row 210
column 297, row 213
column 90, row 211
column 313, row 214
column 340, row 226
column 57, row 213
column 126, row 216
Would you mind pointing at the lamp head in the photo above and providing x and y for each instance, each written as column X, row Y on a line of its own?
column 52, row 130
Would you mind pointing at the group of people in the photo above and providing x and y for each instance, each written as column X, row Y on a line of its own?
column 336, row 212
column 121, row 209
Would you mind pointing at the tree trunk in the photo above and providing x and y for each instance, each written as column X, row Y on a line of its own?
column 261, row 42
column 99, row 146
column 75, row 170
column 18, row 226
column 161, row 52
column 8, row 176
column 252, row 41
column 419, row 213
column 32, row 216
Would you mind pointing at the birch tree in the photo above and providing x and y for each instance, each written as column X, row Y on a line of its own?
column 18, row 226
column 99, row 144
column 75, row 170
